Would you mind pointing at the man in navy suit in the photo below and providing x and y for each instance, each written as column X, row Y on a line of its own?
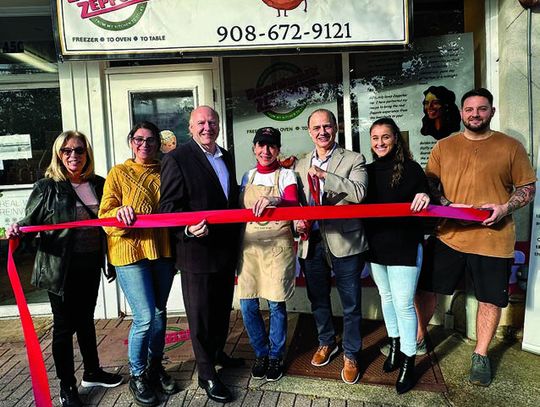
column 199, row 175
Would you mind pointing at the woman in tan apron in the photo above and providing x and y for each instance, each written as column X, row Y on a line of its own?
column 267, row 261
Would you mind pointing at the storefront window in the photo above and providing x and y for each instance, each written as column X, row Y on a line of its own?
column 167, row 109
column 281, row 92
column 419, row 87
column 26, row 46
column 30, row 120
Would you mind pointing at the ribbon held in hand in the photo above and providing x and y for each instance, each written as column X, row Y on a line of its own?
column 40, row 385
column 275, row 214
column 38, row 373
column 315, row 191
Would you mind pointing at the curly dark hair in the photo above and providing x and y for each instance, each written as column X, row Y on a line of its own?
column 402, row 152
column 451, row 119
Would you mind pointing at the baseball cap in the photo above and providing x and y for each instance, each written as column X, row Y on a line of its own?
column 268, row 136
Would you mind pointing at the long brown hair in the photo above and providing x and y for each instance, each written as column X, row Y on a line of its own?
column 401, row 149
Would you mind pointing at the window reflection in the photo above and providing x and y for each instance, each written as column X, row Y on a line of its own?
column 169, row 110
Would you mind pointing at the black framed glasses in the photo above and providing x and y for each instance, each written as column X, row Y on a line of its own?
column 77, row 150
column 139, row 141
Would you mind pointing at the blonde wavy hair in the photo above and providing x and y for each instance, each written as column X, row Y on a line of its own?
column 56, row 169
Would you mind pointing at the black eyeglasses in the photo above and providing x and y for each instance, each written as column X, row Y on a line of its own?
column 139, row 141
column 77, row 150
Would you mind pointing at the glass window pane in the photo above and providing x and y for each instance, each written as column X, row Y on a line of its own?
column 419, row 89
column 281, row 92
column 26, row 45
column 169, row 110
column 34, row 112
column 35, row 115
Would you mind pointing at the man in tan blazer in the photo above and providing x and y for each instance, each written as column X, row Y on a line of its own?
column 340, row 178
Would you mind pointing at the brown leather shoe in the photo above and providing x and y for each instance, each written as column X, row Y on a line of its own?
column 350, row 372
column 324, row 354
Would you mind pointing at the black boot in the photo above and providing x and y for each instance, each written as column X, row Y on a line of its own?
column 406, row 378
column 69, row 396
column 159, row 378
column 142, row 392
column 392, row 361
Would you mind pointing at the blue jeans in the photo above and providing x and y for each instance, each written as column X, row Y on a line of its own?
column 146, row 285
column 273, row 343
column 347, row 272
column 397, row 286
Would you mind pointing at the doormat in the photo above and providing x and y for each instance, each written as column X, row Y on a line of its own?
column 305, row 343
column 113, row 347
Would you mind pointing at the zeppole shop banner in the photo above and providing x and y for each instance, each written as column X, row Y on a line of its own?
column 94, row 28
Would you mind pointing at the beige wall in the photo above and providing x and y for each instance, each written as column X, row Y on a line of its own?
column 513, row 99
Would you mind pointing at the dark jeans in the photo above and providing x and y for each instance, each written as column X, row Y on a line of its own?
column 347, row 272
column 74, row 313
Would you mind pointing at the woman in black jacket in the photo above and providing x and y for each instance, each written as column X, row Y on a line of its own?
column 395, row 243
column 69, row 261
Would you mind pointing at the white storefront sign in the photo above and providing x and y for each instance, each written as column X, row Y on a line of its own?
column 12, row 206
column 15, row 147
column 105, row 27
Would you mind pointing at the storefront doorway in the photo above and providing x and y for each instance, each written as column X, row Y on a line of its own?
column 165, row 97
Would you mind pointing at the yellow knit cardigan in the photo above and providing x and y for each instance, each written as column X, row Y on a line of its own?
column 136, row 185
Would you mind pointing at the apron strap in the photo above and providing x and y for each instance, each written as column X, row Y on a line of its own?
column 276, row 179
column 252, row 176
column 276, row 182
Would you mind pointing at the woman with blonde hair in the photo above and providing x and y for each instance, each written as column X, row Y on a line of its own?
column 69, row 261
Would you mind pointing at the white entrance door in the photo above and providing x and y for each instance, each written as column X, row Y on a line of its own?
column 165, row 98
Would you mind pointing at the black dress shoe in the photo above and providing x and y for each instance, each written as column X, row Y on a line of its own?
column 224, row 360
column 216, row 390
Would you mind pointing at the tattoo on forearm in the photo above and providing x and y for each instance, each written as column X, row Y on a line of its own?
column 521, row 197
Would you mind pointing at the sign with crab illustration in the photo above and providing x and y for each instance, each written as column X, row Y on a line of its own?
column 99, row 28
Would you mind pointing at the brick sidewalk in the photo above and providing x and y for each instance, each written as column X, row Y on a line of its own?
column 515, row 383
column 16, row 388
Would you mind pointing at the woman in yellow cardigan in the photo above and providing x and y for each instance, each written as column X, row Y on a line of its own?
column 143, row 262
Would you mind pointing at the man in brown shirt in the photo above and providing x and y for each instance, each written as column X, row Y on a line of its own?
column 480, row 168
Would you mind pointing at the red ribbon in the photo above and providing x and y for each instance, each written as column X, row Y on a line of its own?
column 38, row 373
column 275, row 214
column 315, row 189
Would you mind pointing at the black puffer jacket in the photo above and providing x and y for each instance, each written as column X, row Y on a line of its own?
column 54, row 202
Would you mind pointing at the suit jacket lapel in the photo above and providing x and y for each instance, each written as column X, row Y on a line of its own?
column 304, row 173
column 227, row 158
column 203, row 161
column 335, row 160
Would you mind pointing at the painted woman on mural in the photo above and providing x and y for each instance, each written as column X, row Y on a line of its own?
column 441, row 115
